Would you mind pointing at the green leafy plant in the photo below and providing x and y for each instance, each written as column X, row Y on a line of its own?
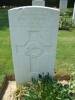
column 65, row 22
column 44, row 88
column 72, row 84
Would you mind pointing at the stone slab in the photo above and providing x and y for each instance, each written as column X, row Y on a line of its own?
column 38, row 2
column 33, row 32
column 63, row 5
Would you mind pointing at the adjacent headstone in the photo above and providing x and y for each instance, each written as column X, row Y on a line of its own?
column 34, row 37
column 63, row 5
column 38, row 2
column 74, row 14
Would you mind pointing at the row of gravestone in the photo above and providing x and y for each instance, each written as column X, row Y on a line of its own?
column 63, row 4
column 33, row 32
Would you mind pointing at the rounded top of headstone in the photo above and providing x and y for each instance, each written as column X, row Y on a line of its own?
column 29, row 7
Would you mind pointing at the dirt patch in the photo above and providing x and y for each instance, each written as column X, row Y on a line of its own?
column 62, row 77
column 10, row 91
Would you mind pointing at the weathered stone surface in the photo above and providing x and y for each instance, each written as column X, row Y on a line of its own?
column 74, row 14
column 33, row 40
column 38, row 2
column 63, row 5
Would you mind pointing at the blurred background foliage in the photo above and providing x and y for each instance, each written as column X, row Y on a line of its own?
column 51, row 3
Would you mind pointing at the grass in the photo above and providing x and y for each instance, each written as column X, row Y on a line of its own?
column 5, row 49
column 66, row 52
column 65, row 62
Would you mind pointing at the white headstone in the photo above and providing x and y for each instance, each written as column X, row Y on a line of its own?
column 33, row 37
column 38, row 2
column 63, row 5
column 74, row 14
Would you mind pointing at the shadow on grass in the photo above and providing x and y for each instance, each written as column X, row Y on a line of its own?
column 3, row 19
